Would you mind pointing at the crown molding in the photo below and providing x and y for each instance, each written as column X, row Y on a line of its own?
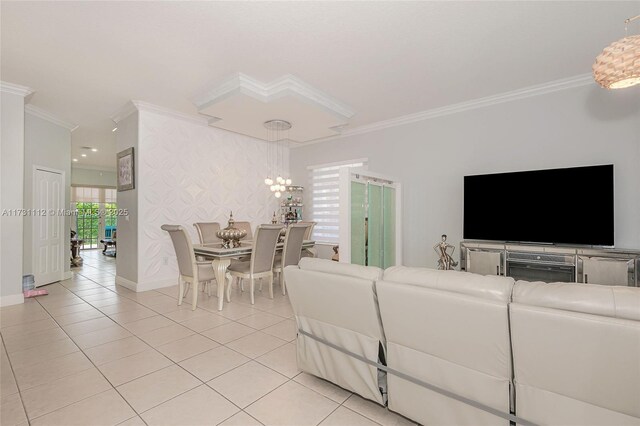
column 287, row 85
column 15, row 89
column 45, row 115
column 94, row 168
column 134, row 105
column 514, row 95
column 123, row 112
column 147, row 107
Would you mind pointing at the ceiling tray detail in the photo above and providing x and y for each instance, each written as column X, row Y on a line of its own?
column 242, row 104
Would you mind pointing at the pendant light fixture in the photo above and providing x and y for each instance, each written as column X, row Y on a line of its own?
column 618, row 66
column 276, row 132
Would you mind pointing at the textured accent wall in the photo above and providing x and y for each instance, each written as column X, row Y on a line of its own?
column 191, row 173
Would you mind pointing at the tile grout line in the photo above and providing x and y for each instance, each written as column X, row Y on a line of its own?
column 255, row 311
column 151, row 347
column 178, row 365
column 15, row 380
column 97, row 369
column 222, row 345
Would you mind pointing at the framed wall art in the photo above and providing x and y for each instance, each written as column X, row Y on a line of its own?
column 126, row 170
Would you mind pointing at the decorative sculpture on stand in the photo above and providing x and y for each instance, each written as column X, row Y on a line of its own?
column 445, row 262
column 231, row 235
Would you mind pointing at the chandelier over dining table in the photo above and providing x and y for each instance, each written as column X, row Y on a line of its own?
column 277, row 176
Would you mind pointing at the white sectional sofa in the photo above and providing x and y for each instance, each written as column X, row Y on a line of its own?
column 449, row 329
column 547, row 353
column 344, row 313
column 576, row 353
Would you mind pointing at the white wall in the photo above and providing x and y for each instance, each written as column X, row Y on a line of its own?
column 46, row 145
column 90, row 177
column 127, row 259
column 575, row 127
column 11, row 196
column 188, row 173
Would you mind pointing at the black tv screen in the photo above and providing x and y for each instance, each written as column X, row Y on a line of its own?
column 560, row 206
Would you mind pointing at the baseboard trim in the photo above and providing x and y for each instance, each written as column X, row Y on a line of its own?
column 144, row 286
column 12, row 299
column 126, row 283
column 154, row 285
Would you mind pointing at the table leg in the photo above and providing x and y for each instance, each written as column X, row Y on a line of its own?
column 220, row 269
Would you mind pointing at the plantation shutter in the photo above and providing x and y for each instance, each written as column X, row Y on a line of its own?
column 325, row 198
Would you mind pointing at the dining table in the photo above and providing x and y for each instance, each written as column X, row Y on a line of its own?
column 221, row 259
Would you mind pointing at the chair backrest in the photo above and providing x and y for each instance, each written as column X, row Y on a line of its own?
column 183, row 247
column 293, row 244
column 207, row 232
column 310, row 226
column 576, row 353
column 264, row 248
column 245, row 226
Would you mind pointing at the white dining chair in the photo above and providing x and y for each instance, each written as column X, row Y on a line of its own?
column 309, row 252
column 261, row 263
column 191, row 271
column 207, row 235
column 246, row 226
column 207, row 232
column 291, row 252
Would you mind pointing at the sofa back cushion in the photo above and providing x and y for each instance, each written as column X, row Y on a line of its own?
column 608, row 301
column 576, row 351
column 449, row 329
column 337, row 302
column 370, row 273
column 490, row 287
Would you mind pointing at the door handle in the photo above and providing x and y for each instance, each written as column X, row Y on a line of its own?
column 586, row 278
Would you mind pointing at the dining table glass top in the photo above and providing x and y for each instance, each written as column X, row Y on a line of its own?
column 246, row 246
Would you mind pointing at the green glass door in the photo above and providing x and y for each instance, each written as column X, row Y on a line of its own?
column 389, row 226
column 375, row 216
column 358, row 223
column 373, row 224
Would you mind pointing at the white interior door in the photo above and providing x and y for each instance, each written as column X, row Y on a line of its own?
column 48, row 222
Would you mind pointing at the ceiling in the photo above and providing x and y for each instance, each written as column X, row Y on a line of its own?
column 85, row 60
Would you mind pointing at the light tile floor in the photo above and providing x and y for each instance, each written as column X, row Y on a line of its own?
column 93, row 353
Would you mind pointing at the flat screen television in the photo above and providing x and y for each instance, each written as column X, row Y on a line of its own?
column 558, row 206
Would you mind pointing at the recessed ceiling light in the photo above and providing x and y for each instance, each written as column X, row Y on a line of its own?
column 75, row 160
column 84, row 155
column 114, row 129
column 94, row 149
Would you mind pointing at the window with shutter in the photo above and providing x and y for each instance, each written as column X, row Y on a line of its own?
column 325, row 198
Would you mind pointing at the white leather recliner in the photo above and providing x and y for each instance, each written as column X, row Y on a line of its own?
column 449, row 329
column 576, row 350
column 337, row 302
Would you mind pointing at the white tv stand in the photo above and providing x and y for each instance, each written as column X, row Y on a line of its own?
column 551, row 263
